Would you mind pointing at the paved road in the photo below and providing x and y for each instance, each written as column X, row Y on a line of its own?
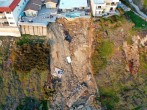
column 138, row 10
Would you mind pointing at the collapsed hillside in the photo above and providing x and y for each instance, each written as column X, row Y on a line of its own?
column 25, row 78
column 77, row 88
column 72, row 85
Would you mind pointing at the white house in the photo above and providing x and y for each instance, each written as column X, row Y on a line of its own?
column 33, row 7
column 10, row 11
column 70, row 5
column 103, row 7
column 51, row 3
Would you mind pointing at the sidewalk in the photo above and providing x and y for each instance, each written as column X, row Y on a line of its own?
column 142, row 15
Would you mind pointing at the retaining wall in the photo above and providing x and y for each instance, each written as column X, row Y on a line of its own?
column 34, row 30
column 10, row 31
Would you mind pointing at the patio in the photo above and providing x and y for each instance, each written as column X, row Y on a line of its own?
column 75, row 14
column 44, row 16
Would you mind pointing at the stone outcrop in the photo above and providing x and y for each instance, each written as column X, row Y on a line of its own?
column 132, row 53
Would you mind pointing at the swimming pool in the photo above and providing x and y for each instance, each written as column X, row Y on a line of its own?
column 73, row 15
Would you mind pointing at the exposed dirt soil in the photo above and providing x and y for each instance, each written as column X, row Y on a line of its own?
column 79, row 71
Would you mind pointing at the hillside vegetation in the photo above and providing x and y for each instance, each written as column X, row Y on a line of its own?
column 119, row 90
column 24, row 69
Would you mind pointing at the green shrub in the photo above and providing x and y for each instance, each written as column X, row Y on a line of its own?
column 29, row 103
column 29, row 54
column 103, row 51
column 139, row 22
column 143, row 62
column 106, row 49
column 108, row 98
column 1, row 81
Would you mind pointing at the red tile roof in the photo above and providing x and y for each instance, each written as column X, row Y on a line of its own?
column 11, row 7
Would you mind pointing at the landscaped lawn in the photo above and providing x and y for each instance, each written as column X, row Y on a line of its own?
column 139, row 22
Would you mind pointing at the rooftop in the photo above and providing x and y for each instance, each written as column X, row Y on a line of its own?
column 54, row 1
column 103, row 1
column 99, row 1
column 33, row 5
column 5, row 3
column 8, row 5
column 70, row 4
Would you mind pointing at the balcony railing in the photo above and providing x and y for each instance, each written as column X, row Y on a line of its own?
column 4, row 25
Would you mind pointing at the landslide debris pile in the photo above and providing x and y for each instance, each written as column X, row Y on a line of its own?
column 76, row 88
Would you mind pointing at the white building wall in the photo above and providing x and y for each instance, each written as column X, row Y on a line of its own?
column 93, row 7
column 105, row 7
column 31, row 13
column 50, row 5
column 13, row 17
column 10, row 19
column 19, row 8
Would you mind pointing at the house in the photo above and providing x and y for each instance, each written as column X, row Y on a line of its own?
column 103, row 7
column 33, row 7
column 10, row 11
column 51, row 3
column 71, row 5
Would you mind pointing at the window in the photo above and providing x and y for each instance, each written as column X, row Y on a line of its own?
column 98, row 7
column 8, row 12
column 107, row 3
column 12, row 23
column 10, row 18
column 111, row 9
column 4, row 17
column 112, row 3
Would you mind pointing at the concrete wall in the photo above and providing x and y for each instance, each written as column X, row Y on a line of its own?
column 33, row 30
column 13, row 17
column 31, row 13
column 50, row 5
column 104, row 7
column 10, row 31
